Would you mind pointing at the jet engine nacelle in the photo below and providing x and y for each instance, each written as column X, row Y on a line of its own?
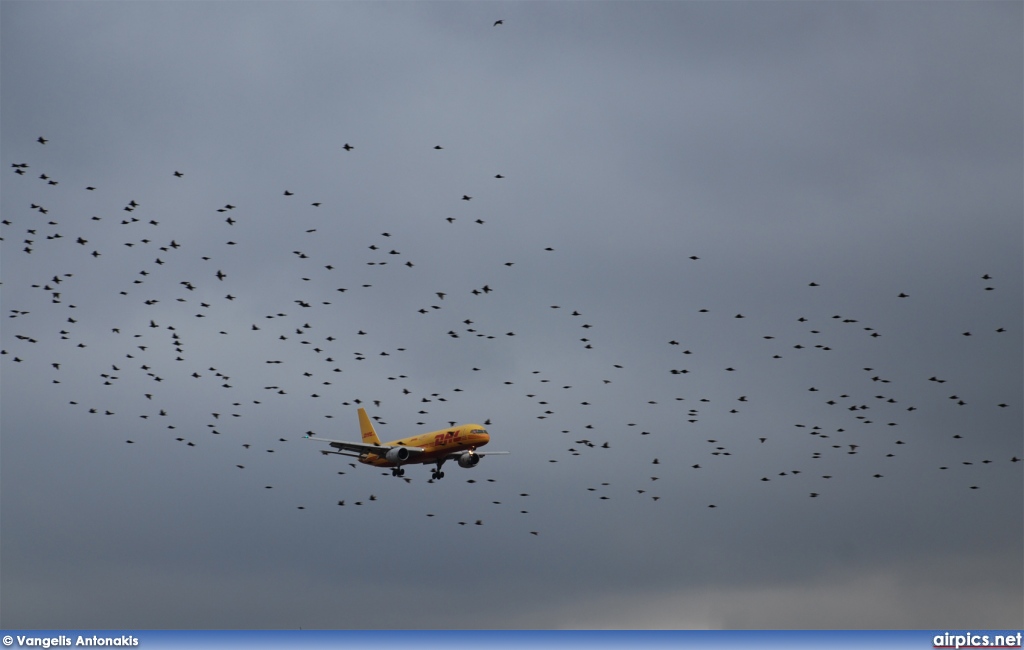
column 397, row 455
column 468, row 459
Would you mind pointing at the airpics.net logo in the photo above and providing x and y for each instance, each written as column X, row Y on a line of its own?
column 977, row 640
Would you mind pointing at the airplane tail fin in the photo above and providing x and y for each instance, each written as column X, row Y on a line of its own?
column 369, row 436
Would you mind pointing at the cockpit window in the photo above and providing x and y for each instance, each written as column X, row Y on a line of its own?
column 478, row 431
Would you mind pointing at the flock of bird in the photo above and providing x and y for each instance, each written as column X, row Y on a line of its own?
column 187, row 300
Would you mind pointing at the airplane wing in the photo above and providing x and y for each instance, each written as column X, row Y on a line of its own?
column 361, row 448
column 456, row 454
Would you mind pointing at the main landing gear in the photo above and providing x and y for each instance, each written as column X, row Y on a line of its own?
column 398, row 471
column 437, row 474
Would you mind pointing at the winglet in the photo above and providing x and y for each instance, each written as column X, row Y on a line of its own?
column 369, row 436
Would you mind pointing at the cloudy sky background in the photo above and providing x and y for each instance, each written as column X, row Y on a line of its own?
column 872, row 149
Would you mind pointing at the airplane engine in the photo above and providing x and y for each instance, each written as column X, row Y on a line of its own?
column 468, row 459
column 397, row 455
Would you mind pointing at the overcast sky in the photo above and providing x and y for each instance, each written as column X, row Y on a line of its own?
column 734, row 257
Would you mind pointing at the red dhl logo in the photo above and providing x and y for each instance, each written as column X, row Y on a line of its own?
column 447, row 438
column 367, row 434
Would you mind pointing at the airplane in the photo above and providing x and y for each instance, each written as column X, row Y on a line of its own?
column 458, row 443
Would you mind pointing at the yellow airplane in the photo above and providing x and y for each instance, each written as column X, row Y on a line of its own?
column 457, row 443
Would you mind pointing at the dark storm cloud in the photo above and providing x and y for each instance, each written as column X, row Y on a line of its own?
column 817, row 160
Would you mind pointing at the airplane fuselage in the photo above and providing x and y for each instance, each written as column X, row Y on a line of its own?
column 457, row 443
column 435, row 445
